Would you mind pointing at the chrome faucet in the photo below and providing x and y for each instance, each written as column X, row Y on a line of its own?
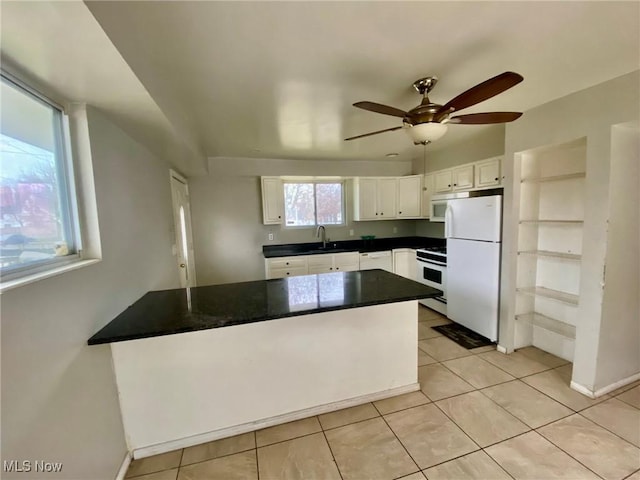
column 324, row 235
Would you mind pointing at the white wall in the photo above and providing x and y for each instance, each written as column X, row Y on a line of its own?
column 619, row 348
column 589, row 113
column 226, row 209
column 59, row 399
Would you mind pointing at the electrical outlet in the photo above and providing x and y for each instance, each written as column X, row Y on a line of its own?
column 271, row 237
column 395, row 229
column 351, row 233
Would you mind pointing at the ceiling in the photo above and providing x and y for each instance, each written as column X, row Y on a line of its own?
column 277, row 79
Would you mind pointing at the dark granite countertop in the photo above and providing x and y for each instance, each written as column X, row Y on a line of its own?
column 169, row 312
column 375, row 245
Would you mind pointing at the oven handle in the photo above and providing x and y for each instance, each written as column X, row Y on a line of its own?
column 429, row 262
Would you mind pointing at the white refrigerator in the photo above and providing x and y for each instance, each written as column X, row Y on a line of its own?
column 473, row 231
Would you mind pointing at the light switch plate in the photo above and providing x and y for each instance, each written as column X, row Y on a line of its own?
column 270, row 237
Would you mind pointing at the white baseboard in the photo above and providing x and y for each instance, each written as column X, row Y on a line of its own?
column 604, row 390
column 269, row 422
column 501, row 349
column 124, row 467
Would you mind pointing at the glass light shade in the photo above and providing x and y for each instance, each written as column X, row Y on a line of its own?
column 427, row 132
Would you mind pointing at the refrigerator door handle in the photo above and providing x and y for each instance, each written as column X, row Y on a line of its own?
column 448, row 217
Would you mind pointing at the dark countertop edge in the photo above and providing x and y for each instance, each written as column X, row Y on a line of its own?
column 255, row 320
column 342, row 246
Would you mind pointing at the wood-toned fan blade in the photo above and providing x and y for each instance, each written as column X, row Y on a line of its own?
column 483, row 91
column 484, row 118
column 379, row 108
column 373, row 133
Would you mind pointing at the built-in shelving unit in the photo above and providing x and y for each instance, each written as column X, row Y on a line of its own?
column 550, row 293
column 547, row 253
column 550, row 246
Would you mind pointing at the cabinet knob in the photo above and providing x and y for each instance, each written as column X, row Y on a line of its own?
column 287, row 263
column 376, row 213
column 496, row 179
column 449, row 185
column 330, row 268
column 287, row 273
column 337, row 268
column 400, row 213
column 382, row 213
column 279, row 216
column 455, row 184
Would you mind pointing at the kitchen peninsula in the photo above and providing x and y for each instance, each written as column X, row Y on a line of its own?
column 194, row 365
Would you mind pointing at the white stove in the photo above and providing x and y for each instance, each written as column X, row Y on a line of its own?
column 432, row 271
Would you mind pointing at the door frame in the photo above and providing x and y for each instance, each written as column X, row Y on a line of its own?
column 182, row 258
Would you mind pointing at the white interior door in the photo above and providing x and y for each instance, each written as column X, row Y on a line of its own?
column 184, row 237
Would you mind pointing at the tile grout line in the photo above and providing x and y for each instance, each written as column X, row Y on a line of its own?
column 403, row 445
column 567, row 453
column 335, row 462
column 606, row 429
column 632, row 473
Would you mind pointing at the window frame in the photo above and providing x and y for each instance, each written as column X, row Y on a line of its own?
column 67, row 194
column 315, row 181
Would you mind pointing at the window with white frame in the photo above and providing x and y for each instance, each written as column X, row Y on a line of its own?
column 38, row 223
column 313, row 203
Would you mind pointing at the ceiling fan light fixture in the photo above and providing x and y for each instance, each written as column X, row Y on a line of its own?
column 426, row 132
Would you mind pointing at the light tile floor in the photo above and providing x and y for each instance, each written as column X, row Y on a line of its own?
column 480, row 414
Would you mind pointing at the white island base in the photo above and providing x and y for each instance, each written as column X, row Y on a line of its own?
column 191, row 388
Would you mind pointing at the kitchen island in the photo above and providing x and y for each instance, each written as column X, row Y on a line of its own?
column 194, row 365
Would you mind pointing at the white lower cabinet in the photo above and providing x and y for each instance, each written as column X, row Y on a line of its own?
column 404, row 263
column 286, row 266
column 282, row 267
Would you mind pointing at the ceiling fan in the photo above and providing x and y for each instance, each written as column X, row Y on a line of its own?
column 428, row 121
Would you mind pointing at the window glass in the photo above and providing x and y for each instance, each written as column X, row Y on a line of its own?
column 35, row 220
column 309, row 204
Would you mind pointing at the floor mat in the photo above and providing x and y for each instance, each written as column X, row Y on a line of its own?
column 463, row 336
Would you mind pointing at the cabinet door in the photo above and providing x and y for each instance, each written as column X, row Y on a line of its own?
column 272, row 200
column 488, row 173
column 427, row 191
column 366, row 199
column 387, row 191
column 346, row 262
column 409, row 196
column 320, row 263
column 443, row 181
column 404, row 263
column 463, row 177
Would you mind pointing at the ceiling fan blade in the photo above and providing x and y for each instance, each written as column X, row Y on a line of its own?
column 483, row 91
column 373, row 133
column 379, row 108
column 485, row 118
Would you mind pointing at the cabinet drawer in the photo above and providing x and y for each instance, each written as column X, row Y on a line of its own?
column 348, row 259
column 287, row 272
column 320, row 260
column 287, row 262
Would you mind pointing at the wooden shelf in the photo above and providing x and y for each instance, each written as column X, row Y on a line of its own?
column 548, row 323
column 555, row 178
column 563, row 297
column 548, row 253
column 551, row 222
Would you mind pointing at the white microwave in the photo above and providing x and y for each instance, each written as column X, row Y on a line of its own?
column 439, row 204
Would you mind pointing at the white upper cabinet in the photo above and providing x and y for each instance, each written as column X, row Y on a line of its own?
column 487, row 173
column 387, row 193
column 462, row 177
column 409, row 196
column 427, row 192
column 443, row 181
column 375, row 198
column 272, row 200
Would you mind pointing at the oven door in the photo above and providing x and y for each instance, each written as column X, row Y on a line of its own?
column 433, row 275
